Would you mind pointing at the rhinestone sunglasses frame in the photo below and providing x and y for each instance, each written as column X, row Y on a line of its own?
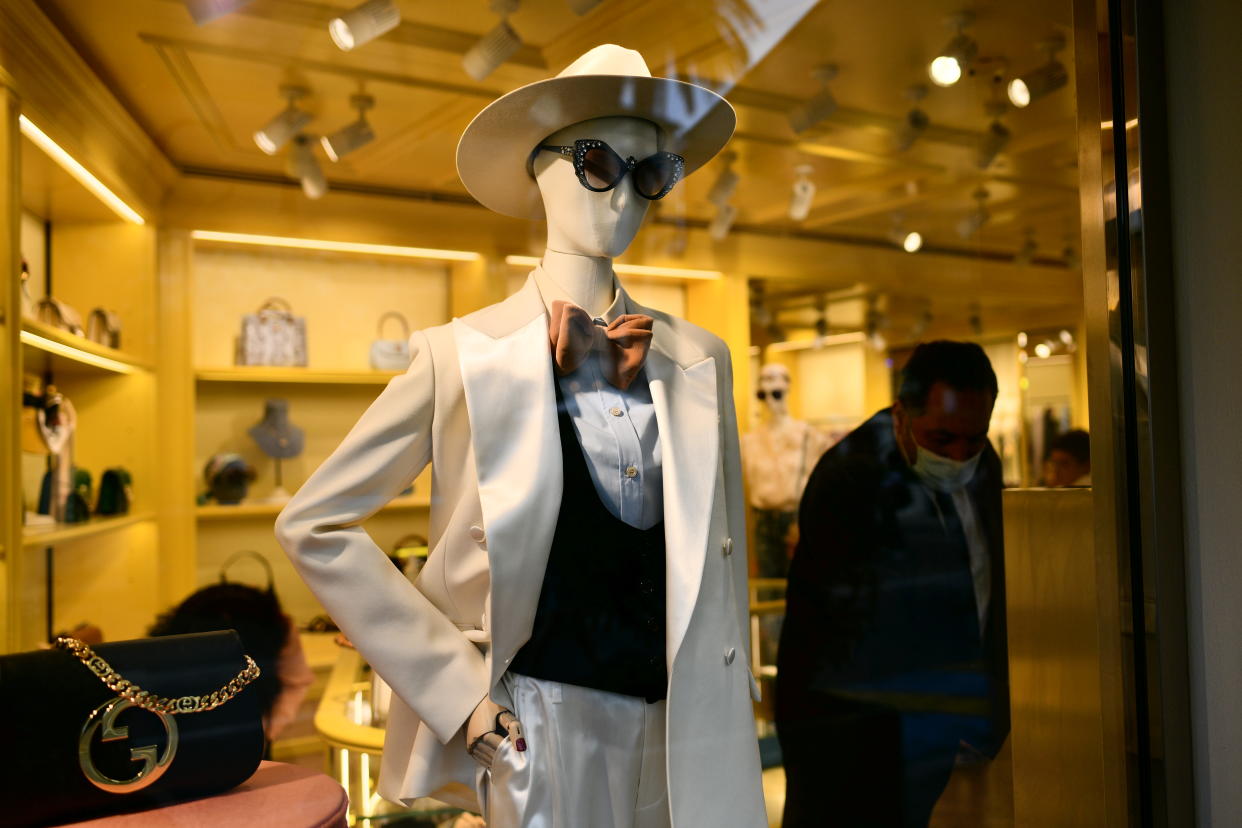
column 577, row 154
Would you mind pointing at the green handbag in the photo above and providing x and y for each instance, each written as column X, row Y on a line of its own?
column 114, row 492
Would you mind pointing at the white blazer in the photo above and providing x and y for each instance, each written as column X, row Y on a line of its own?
column 478, row 403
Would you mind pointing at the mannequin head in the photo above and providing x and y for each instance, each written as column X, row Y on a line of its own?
column 774, row 389
column 583, row 222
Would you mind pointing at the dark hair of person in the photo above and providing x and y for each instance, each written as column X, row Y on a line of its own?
column 1076, row 443
column 254, row 613
column 963, row 366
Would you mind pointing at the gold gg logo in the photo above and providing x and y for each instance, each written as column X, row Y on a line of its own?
column 153, row 765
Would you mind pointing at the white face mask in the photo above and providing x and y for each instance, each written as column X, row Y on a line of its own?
column 943, row 473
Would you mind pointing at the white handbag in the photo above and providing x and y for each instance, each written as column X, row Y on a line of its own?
column 59, row 315
column 103, row 327
column 391, row 354
column 272, row 336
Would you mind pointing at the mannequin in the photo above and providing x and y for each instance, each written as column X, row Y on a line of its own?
column 279, row 439
column 653, row 725
column 778, row 456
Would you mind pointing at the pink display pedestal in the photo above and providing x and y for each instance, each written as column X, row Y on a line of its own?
column 277, row 796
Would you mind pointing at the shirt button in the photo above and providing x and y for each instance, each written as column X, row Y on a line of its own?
column 477, row 534
column 631, row 471
column 615, row 411
column 727, row 547
column 652, row 624
column 729, row 655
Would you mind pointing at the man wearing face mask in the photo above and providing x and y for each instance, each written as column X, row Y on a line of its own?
column 893, row 665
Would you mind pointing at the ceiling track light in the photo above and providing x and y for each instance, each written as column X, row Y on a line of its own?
column 362, row 24
column 1027, row 88
column 910, row 241
column 873, row 325
column 803, row 193
column 917, row 120
column 205, row 11
column 726, row 182
column 722, row 223
column 974, row 221
column 354, row 136
column 1026, row 253
column 957, row 56
column 820, row 107
column 995, row 138
column 922, row 322
column 304, row 166
column 495, row 47
column 287, row 124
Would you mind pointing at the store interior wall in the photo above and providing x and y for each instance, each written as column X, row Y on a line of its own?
column 1203, row 64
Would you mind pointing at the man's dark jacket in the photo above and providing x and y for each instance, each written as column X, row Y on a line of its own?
column 881, row 602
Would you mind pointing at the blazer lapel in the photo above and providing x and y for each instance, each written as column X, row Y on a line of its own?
column 507, row 379
column 683, row 391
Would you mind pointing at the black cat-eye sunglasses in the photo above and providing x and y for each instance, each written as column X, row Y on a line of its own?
column 599, row 168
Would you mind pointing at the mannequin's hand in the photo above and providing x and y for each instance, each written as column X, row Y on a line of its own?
column 482, row 720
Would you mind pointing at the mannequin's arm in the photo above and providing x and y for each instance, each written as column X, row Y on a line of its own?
column 430, row 665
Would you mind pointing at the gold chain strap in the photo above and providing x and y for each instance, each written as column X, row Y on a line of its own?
column 157, row 704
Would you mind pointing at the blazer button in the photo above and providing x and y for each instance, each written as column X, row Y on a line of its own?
column 727, row 547
column 730, row 654
column 477, row 534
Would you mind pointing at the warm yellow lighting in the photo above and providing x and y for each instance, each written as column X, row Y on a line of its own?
column 336, row 246
column 1130, row 124
column 79, row 172
column 1043, row 351
column 633, row 269
column 819, row 342
column 913, row 242
column 76, row 354
column 945, row 71
column 364, row 774
column 344, row 769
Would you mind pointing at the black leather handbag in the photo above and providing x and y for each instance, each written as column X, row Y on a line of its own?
column 129, row 726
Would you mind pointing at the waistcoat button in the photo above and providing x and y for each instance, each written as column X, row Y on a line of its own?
column 477, row 534
column 727, row 547
column 730, row 654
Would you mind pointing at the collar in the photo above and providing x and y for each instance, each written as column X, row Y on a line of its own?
column 550, row 291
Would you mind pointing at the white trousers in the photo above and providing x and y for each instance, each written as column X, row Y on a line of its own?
column 593, row 760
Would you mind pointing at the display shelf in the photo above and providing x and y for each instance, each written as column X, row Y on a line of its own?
column 257, row 510
column 308, row 376
column 54, row 533
column 70, row 353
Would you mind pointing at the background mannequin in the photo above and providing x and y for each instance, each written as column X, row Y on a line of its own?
column 777, row 458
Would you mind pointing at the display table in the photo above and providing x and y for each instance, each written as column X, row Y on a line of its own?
column 277, row 796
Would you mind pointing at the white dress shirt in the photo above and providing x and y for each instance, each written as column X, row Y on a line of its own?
column 616, row 430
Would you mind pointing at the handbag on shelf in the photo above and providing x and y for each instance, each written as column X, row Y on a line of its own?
column 391, row 354
column 272, row 336
column 103, row 327
column 59, row 315
column 114, row 492
column 127, row 726
column 78, row 503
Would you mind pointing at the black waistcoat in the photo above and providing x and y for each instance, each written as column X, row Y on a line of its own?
column 600, row 620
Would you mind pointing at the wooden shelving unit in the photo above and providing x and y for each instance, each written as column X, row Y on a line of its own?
column 63, row 352
column 55, row 533
column 242, row 511
column 298, row 376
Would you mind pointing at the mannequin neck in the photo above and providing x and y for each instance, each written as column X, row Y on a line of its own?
column 777, row 419
column 586, row 280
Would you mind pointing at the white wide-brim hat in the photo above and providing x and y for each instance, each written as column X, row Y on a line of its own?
column 607, row 81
